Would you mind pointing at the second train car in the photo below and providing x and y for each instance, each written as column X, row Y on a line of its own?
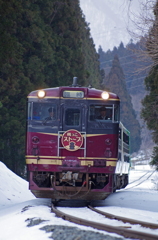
column 76, row 146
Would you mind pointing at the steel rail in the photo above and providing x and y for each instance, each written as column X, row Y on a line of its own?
column 124, row 219
column 136, row 180
column 123, row 231
column 137, row 184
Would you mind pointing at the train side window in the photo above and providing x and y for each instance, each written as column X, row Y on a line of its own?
column 126, row 138
column 72, row 117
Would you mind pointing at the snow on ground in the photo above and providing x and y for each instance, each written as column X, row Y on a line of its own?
column 17, row 205
column 12, row 188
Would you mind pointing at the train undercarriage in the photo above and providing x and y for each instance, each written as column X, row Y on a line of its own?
column 75, row 185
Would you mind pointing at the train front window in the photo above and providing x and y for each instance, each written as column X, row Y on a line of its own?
column 72, row 117
column 40, row 112
column 104, row 113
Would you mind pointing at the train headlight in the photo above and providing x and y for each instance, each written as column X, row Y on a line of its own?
column 41, row 94
column 105, row 95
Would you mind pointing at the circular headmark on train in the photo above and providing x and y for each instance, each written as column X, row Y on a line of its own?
column 72, row 140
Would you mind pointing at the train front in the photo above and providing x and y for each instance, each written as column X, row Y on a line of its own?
column 71, row 151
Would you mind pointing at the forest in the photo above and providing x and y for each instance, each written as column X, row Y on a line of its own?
column 45, row 44
column 42, row 44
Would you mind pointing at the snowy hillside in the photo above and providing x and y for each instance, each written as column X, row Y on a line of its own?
column 13, row 189
column 109, row 20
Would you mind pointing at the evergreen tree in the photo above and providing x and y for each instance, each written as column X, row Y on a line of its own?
column 115, row 82
column 150, row 102
column 134, row 67
column 150, row 110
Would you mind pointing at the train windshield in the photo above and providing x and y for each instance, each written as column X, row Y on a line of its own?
column 40, row 112
column 104, row 113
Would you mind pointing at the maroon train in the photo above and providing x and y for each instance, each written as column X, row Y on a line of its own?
column 71, row 152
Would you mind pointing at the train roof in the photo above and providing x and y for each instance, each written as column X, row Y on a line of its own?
column 82, row 92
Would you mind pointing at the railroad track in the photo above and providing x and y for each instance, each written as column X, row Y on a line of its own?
column 123, row 230
column 139, row 181
column 148, row 173
column 125, row 220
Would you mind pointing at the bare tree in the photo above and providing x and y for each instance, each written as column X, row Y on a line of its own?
column 146, row 31
column 152, row 38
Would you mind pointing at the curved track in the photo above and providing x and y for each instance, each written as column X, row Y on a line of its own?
column 123, row 231
column 125, row 220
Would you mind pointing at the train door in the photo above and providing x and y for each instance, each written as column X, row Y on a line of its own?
column 72, row 132
column 73, row 116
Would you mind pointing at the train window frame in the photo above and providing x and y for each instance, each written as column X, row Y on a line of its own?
column 67, row 118
column 113, row 113
column 37, row 117
column 116, row 113
column 29, row 111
